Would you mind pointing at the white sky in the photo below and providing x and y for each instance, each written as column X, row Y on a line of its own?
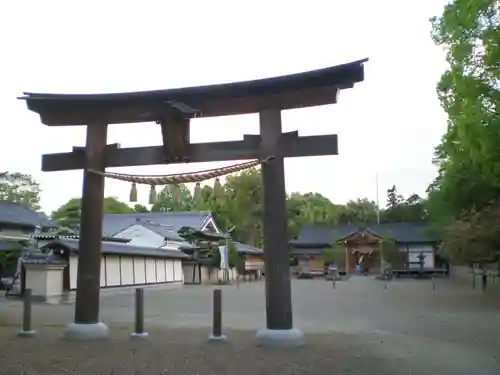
column 389, row 123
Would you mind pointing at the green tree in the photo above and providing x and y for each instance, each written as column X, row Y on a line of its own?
column 20, row 188
column 390, row 253
column 468, row 156
column 68, row 215
column 140, row 208
column 361, row 210
column 167, row 201
column 400, row 209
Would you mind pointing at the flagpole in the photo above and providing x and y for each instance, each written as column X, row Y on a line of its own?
column 376, row 192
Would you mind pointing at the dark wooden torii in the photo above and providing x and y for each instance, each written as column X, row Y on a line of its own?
column 172, row 110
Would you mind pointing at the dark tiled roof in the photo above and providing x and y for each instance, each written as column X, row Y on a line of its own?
column 322, row 236
column 115, row 223
column 119, row 249
column 54, row 236
column 247, row 249
column 165, row 231
column 15, row 213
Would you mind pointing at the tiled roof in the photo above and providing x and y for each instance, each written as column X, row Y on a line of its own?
column 400, row 232
column 54, row 236
column 15, row 213
column 247, row 249
column 119, row 249
column 115, row 223
column 166, row 231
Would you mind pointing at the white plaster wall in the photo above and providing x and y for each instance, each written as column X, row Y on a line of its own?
column 141, row 236
column 127, row 270
column 102, row 281
column 150, row 270
column 36, row 280
column 170, row 269
column 178, row 274
column 73, row 271
column 160, row 270
column 54, row 279
column 427, row 250
column 112, row 270
column 139, row 270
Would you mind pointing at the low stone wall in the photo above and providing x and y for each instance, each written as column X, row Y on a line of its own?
column 463, row 275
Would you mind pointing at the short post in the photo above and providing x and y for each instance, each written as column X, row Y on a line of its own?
column 333, row 282
column 385, row 285
column 238, row 281
column 473, row 279
column 217, row 335
column 139, row 315
column 26, row 329
column 484, row 280
column 433, row 283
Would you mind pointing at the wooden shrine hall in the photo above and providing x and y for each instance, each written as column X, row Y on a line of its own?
column 173, row 110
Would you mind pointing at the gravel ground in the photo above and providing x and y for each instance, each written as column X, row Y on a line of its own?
column 185, row 352
column 356, row 328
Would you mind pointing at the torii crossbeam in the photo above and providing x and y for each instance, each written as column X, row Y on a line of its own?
column 172, row 110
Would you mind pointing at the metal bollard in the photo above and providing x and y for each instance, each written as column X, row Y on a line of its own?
column 26, row 329
column 333, row 283
column 238, row 281
column 139, row 315
column 385, row 286
column 433, row 283
column 217, row 335
column 484, row 281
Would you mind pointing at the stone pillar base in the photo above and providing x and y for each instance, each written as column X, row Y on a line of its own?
column 86, row 332
column 277, row 338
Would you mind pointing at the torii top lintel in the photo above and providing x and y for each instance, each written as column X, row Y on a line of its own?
column 318, row 87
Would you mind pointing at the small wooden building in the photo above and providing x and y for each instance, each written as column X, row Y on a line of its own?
column 361, row 244
column 122, row 264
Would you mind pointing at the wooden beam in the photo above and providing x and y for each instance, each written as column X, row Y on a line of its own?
column 247, row 149
column 132, row 111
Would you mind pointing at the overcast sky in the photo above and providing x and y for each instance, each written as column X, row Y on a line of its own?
column 389, row 123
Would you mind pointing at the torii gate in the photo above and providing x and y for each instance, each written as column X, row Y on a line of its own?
column 172, row 110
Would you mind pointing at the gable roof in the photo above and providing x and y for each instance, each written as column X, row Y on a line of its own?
column 324, row 236
column 18, row 214
column 161, row 221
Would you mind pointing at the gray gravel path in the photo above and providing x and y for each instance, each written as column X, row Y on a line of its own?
column 356, row 328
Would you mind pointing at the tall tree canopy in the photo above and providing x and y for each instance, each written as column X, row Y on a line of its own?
column 68, row 215
column 468, row 156
column 20, row 188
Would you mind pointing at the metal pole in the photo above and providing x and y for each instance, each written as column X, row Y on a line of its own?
column 385, row 286
column 217, row 335
column 484, row 280
column 217, row 313
column 433, row 283
column 139, row 315
column 376, row 192
column 27, row 330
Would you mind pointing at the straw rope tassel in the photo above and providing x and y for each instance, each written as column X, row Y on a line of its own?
column 176, row 193
column 197, row 191
column 217, row 187
column 133, row 193
column 152, row 195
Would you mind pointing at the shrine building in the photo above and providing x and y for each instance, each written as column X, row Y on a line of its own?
column 361, row 245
